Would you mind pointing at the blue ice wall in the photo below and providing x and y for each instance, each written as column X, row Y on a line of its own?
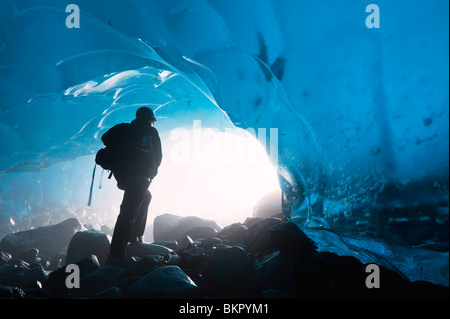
column 361, row 113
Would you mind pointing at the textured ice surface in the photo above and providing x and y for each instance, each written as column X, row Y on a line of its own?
column 361, row 114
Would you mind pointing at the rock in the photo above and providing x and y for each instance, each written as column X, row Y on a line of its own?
column 12, row 276
column 199, row 232
column 283, row 263
column 86, row 243
column 4, row 258
column 174, row 260
column 35, row 274
column 55, row 287
column 290, row 238
column 172, row 244
column 227, row 266
column 101, row 279
column 163, row 224
column 169, row 282
column 210, row 242
column 45, row 264
column 49, row 240
column 88, row 265
column 234, row 234
column 11, row 293
column 184, row 242
column 141, row 250
column 8, row 270
column 145, row 265
column 172, row 227
column 105, row 229
column 251, row 220
column 275, row 270
column 259, row 238
column 269, row 205
column 125, row 282
column 192, row 258
column 56, row 262
column 30, row 255
column 19, row 263
column 110, row 293
column 23, row 278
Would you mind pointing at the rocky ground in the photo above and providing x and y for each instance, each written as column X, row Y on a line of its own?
column 191, row 258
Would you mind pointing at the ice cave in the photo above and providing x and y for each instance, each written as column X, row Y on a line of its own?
column 339, row 122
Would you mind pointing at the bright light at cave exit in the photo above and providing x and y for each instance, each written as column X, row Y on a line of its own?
column 211, row 174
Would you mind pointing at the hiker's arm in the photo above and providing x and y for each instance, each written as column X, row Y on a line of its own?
column 157, row 147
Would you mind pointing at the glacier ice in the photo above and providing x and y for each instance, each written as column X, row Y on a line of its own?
column 361, row 114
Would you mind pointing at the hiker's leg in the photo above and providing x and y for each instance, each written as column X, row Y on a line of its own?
column 141, row 218
column 132, row 199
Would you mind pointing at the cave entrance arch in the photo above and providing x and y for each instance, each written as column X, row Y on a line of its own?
column 232, row 89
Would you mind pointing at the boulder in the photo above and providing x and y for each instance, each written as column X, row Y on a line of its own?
column 141, row 250
column 88, row 265
column 172, row 244
column 86, row 243
column 19, row 263
column 4, row 258
column 35, row 274
column 23, row 277
column 269, row 205
column 234, row 234
column 49, row 240
column 199, row 232
column 169, row 282
column 30, row 255
column 110, row 293
column 290, row 238
column 192, row 258
column 7, row 292
column 275, row 270
column 185, row 242
column 100, row 279
column 55, row 287
column 211, row 242
column 145, row 265
column 8, row 270
column 173, row 227
column 12, row 276
column 125, row 282
column 226, row 267
column 259, row 238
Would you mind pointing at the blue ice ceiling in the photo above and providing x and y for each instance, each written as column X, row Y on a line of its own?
column 361, row 113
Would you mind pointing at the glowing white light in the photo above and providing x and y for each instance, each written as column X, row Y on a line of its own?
column 220, row 177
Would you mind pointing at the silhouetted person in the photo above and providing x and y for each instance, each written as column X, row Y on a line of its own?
column 138, row 146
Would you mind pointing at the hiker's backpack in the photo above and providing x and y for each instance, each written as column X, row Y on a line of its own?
column 105, row 158
column 127, row 151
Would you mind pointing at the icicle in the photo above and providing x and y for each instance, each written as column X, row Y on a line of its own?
column 101, row 179
column 92, row 186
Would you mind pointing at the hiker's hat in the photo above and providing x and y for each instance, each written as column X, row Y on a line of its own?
column 146, row 114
